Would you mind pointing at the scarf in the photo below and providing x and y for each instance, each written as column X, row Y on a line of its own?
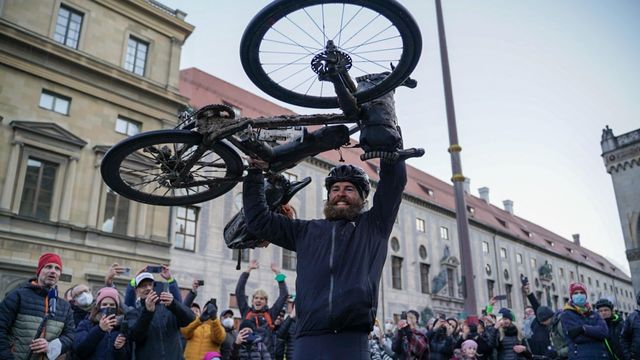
column 582, row 310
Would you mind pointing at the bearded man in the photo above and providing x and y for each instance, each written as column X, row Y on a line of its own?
column 340, row 258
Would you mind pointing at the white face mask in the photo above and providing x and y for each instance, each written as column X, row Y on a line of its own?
column 388, row 327
column 227, row 322
column 84, row 299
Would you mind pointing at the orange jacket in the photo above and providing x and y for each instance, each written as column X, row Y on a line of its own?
column 202, row 337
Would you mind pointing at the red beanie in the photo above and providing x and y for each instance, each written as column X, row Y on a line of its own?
column 48, row 258
column 576, row 286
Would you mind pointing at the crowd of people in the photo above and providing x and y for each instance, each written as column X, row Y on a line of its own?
column 152, row 321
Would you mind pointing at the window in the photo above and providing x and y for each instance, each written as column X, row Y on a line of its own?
column 502, row 222
column 506, row 274
column 422, row 251
column 549, row 242
column 396, row 272
column 245, row 255
column 127, row 126
column 289, row 259
column 116, row 213
column 571, row 275
column 487, row 269
column 582, row 278
column 450, row 283
column 533, row 263
column 561, row 272
column 503, row 253
column 444, row 233
column 395, row 244
column 519, row 258
column 490, row 288
column 136, row 56
column 424, row 278
column 508, row 288
column 68, row 27
column 471, row 210
column 290, row 176
column 589, row 280
column 555, row 302
column 37, row 193
column 186, row 221
column 55, row 102
column 420, row 226
column 526, row 233
column 485, row 247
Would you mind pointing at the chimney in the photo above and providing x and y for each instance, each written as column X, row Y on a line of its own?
column 508, row 206
column 484, row 194
column 576, row 239
column 467, row 185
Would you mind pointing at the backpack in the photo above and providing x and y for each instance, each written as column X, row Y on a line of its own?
column 255, row 315
column 418, row 346
column 558, row 341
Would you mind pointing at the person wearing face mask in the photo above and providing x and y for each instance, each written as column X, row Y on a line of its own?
column 204, row 334
column 410, row 342
column 584, row 329
column 100, row 336
column 81, row 301
column 228, row 323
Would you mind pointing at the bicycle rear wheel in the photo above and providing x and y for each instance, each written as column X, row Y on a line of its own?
column 281, row 41
column 152, row 168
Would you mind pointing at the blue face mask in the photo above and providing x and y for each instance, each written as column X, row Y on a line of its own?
column 579, row 299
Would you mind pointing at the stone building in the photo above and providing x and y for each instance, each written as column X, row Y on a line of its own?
column 423, row 262
column 76, row 77
column 621, row 155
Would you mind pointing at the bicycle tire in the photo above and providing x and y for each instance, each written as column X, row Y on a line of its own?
column 117, row 168
column 255, row 32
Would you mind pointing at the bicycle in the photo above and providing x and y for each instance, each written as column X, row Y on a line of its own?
column 200, row 159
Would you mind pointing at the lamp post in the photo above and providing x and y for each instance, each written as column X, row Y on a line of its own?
column 469, row 293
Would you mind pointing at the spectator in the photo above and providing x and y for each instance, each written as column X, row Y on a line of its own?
column 630, row 338
column 410, row 342
column 259, row 312
column 470, row 331
column 614, row 324
column 508, row 339
column 248, row 345
column 231, row 333
column 204, row 334
column 454, row 329
column 100, row 336
column 192, row 294
column 441, row 343
column 155, row 321
column 529, row 315
column 584, row 329
column 130, row 294
column 469, row 350
column 278, row 343
column 287, row 331
column 81, row 300
column 25, row 312
column 541, row 327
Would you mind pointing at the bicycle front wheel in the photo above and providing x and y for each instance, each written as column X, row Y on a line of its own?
column 374, row 36
column 170, row 167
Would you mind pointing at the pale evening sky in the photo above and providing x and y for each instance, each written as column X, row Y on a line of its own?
column 534, row 84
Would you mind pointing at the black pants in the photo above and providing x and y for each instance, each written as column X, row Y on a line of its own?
column 347, row 346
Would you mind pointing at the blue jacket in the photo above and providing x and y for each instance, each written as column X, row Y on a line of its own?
column 590, row 343
column 339, row 262
column 94, row 344
column 630, row 337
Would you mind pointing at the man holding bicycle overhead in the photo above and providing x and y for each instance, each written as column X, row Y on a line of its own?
column 340, row 258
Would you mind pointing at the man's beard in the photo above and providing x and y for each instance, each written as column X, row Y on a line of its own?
column 332, row 212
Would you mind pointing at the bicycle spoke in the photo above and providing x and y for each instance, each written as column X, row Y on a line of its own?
column 304, row 81
column 366, row 42
column 304, row 31
column 362, row 28
column 294, row 74
column 377, row 50
column 284, row 66
column 339, row 33
column 309, row 52
column 290, row 39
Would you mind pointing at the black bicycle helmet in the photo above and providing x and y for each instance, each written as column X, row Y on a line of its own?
column 352, row 174
column 604, row 303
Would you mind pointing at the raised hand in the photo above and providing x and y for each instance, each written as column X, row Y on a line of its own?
column 275, row 268
column 165, row 273
column 195, row 286
column 150, row 301
column 253, row 264
column 242, row 335
column 166, row 298
column 107, row 323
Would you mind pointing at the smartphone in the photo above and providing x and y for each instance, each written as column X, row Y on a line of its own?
column 403, row 315
column 200, row 282
column 124, row 327
column 500, row 297
column 154, row 269
column 108, row 311
column 126, row 271
column 524, row 279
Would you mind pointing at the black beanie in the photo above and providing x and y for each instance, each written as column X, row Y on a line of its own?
column 247, row 324
column 544, row 313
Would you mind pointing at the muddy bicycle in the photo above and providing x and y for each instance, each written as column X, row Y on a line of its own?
column 304, row 52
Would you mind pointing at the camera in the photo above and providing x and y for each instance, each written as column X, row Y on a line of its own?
column 200, row 282
column 126, row 271
column 524, row 280
column 443, row 317
column 108, row 311
column 154, row 269
column 403, row 315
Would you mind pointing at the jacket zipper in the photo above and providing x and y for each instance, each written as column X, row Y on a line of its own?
column 333, row 243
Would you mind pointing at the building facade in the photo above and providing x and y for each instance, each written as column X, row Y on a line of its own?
column 422, row 270
column 621, row 155
column 76, row 77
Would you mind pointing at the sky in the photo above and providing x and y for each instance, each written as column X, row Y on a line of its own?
column 534, row 83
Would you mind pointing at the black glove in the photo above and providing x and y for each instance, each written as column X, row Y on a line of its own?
column 210, row 312
column 575, row 332
column 551, row 353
